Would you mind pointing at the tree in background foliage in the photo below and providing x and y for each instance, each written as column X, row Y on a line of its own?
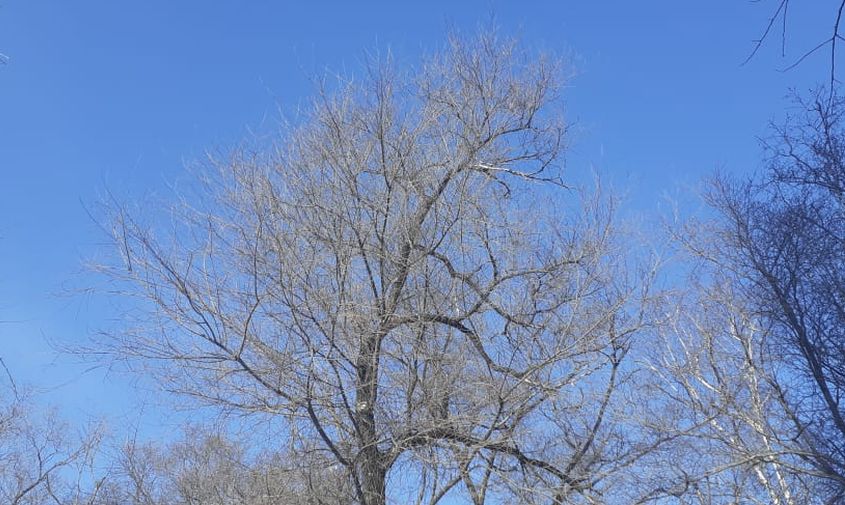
column 783, row 239
column 43, row 459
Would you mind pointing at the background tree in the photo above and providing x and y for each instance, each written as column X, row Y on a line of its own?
column 398, row 285
column 719, row 391
column 783, row 240
column 43, row 460
column 207, row 467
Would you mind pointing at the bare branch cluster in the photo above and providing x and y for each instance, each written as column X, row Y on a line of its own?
column 210, row 468
column 42, row 461
column 780, row 17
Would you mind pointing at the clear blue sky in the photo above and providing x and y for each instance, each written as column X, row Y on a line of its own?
column 119, row 95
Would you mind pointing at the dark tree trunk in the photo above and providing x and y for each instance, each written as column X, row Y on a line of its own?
column 372, row 468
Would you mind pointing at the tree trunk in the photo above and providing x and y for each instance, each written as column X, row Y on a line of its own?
column 373, row 480
column 373, row 473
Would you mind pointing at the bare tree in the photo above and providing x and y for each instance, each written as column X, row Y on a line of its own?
column 783, row 237
column 42, row 459
column 407, row 287
column 722, row 393
column 207, row 467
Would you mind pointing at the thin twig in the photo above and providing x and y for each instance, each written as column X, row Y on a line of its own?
column 11, row 379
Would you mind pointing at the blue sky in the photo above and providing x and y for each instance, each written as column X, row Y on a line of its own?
column 119, row 96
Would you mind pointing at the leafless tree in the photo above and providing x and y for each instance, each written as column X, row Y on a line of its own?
column 723, row 393
column 42, row 459
column 206, row 467
column 404, row 283
column 783, row 237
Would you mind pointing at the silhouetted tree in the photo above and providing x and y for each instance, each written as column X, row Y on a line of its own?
column 784, row 238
